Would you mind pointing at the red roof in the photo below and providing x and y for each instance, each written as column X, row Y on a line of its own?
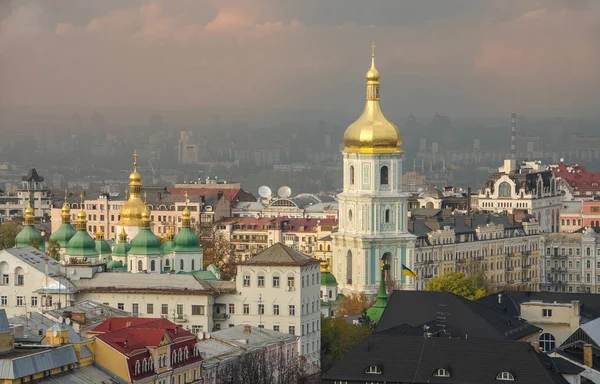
column 230, row 194
column 577, row 176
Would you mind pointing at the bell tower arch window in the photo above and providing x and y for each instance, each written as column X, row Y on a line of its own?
column 352, row 175
column 383, row 175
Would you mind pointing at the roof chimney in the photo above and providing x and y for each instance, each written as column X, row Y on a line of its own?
column 587, row 355
column 247, row 329
column 125, row 343
column 499, row 298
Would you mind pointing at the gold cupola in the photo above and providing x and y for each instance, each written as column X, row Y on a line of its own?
column 131, row 211
column 66, row 211
column 372, row 132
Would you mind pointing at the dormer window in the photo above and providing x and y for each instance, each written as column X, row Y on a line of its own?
column 441, row 372
column 505, row 376
column 373, row 369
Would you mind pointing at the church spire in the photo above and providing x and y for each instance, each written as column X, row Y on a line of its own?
column 374, row 313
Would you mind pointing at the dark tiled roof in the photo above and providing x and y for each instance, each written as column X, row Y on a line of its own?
column 32, row 175
column 462, row 223
column 566, row 367
column 280, row 254
column 463, row 318
column 405, row 359
column 510, row 303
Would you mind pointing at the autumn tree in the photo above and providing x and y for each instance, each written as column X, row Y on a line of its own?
column 53, row 249
column 217, row 251
column 338, row 337
column 472, row 286
column 8, row 234
column 353, row 304
column 34, row 243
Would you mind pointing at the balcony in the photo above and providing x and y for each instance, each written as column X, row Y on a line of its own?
column 220, row 316
column 558, row 269
column 180, row 318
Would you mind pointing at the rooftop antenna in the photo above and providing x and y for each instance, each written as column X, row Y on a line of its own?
column 284, row 192
column 513, row 136
column 441, row 317
column 264, row 192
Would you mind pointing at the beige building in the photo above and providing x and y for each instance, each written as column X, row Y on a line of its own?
column 505, row 250
column 558, row 320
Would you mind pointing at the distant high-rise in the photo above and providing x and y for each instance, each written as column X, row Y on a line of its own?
column 188, row 148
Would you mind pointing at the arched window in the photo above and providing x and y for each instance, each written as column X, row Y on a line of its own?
column 387, row 215
column 140, row 265
column 588, row 252
column 505, row 376
column 181, row 264
column 588, row 278
column 349, row 267
column 166, row 262
column 383, row 175
column 145, row 366
column 187, row 353
column 137, row 367
column 193, row 264
column 568, row 222
column 441, row 372
column 504, row 189
column 174, row 357
column 321, row 247
column 350, row 215
column 588, row 264
column 547, row 342
column 352, row 174
column 153, row 265
column 180, row 356
column 20, row 276
column 328, row 247
column 562, row 222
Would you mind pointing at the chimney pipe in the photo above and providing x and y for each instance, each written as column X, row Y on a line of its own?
column 536, row 346
column 469, row 201
column 513, row 136
column 587, row 355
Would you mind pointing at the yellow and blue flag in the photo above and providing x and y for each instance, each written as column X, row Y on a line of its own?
column 407, row 272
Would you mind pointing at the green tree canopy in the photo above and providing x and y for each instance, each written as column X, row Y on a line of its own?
column 471, row 287
column 8, row 233
column 338, row 337
column 54, row 249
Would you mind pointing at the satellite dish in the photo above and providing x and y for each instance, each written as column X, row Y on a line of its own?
column 68, row 321
column 60, row 320
column 264, row 192
column 207, row 335
column 284, row 192
column 200, row 335
column 562, row 159
column 54, row 333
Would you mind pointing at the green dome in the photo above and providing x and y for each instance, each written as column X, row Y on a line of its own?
column 145, row 243
column 114, row 264
column 187, row 241
column 27, row 235
column 81, row 244
column 121, row 249
column 328, row 279
column 103, row 247
column 168, row 246
column 63, row 234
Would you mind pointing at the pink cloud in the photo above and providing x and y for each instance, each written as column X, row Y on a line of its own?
column 63, row 29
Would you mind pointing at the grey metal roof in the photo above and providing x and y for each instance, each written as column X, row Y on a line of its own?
column 84, row 375
column 17, row 364
column 592, row 329
column 36, row 324
column 36, row 259
column 94, row 311
column 280, row 254
column 256, row 338
column 4, row 326
column 85, row 352
column 213, row 351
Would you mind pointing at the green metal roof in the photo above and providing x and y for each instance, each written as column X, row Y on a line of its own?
column 81, row 244
column 114, row 264
column 145, row 243
column 187, row 241
column 328, row 279
column 168, row 246
column 202, row 275
column 103, row 247
column 63, row 234
column 374, row 313
column 27, row 234
column 121, row 249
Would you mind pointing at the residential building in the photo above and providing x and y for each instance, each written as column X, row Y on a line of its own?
column 234, row 352
column 529, row 188
column 32, row 191
column 506, row 250
column 372, row 206
column 577, row 214
column 582, row 348
column 571, row 262
column 576, row 181
column 249, row 236
column 305, row 205
column 147, row 351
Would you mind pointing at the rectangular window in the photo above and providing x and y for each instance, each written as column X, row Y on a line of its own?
column 149, row 309
column 164, row 309
column 276, row 328
column 292, row 330
column 4, row 301
column 276, row 309
column 180, row 311
column 291, row 281
column 261, row 309
column 20, row 301
column 546, row 313
column 275, row 281
column 135, row 309
column 246, row 309
column 292, row 310
column 197, row 329
column 261, row 281
column 232, row 308
column 198, row 310
column 246, row 281
column 34, row 301
column 5, row 280
column 121, row 306
column 20, row 279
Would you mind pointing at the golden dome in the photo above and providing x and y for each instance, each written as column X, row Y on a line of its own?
column 66, row 211
column 146, row 222
column 372, row 132
column 100, row 234
column 123, row 236
column 186, row 214
column 131, row 211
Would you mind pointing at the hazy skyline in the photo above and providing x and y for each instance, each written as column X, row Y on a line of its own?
column 455, row 57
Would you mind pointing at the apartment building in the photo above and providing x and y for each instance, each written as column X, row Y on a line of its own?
column 504, row 249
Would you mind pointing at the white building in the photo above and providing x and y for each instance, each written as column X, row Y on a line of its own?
column 372, row 208
column 526, row 188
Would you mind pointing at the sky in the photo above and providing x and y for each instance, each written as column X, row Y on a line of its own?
column 454, row 57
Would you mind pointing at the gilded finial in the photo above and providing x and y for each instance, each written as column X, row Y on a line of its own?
column 145, row 197
column 373, row 49
column 81, row 199
column 135, row 155
column 186, row 198
column 382, row 264
column 66, row 194
column 126, row 190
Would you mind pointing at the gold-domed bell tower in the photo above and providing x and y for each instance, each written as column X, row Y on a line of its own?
column 372, row 206
column 131, row 212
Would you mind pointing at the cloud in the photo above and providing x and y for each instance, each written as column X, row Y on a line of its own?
column 22, row 21
column 63, row 29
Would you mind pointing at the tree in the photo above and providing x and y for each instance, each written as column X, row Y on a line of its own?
column 338, row 337
column 34, row 243
column 217, row 251
column 262, row 366
column 8, row 233
column 54, row 249
column 471, row 287
column 353, row 304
